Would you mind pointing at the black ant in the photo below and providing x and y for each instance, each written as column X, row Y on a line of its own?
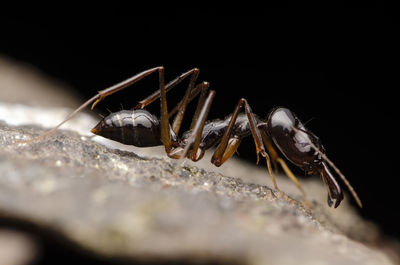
column 281, row 129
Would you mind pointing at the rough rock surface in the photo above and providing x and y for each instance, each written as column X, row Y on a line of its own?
column 114, row 203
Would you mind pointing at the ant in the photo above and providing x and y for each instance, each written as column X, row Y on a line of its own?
column 282, row 129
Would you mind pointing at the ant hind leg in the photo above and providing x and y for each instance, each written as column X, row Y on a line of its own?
column 95, row 100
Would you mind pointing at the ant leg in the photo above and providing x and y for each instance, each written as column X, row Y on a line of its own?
column 180, row 109
column 117, row 87
column 276, row 159
column 202, row 99
column 194, row 140
column 181, row 152
column 203, row 88
column 290, row 174
column 176, row 124
column 203, row 103
column 96, row 99
column 229, row 144
column 157, row 94
column 165, row 133
column 168, row 143
column 230, row 149
column 271, row 150
column 165, row 127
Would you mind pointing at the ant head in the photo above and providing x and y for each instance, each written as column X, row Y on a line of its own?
column 292, row 138
column 305, row 150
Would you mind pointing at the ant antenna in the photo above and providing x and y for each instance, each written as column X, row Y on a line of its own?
column 344, row 179
column 312, row 118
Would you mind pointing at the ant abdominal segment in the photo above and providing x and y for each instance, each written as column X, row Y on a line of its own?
column 281, row 130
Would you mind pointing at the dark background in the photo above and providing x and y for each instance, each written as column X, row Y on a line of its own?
column 337, row 66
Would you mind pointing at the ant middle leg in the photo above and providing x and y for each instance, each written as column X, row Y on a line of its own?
column 157, row 94
column 229, row 142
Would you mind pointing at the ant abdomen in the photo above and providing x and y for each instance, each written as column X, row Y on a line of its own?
column 132, row 127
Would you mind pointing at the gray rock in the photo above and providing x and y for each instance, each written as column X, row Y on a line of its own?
column 115, row 203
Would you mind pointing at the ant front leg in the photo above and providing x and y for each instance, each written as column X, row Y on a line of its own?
column 229, row 143
column 277, row 160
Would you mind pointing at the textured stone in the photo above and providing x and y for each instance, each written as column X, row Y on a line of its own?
column 116, row 203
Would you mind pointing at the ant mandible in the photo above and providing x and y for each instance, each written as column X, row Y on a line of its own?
column 281, row 129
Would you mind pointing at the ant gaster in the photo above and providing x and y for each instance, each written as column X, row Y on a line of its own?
column 281, row 129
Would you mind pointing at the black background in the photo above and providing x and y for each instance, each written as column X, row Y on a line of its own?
column 335, row 65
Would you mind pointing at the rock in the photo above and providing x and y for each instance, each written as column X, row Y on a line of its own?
column 147, row 208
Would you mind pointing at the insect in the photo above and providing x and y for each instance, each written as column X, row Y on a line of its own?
column 281, row 130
